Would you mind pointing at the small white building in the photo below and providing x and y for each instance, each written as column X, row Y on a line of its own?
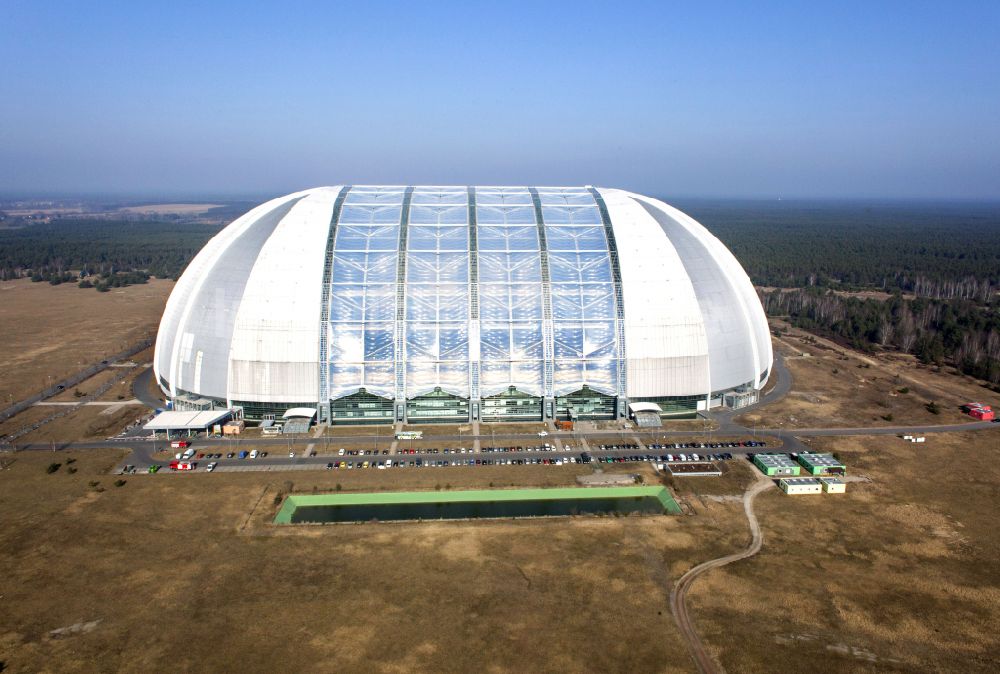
column 833, row 485
column 794, row 486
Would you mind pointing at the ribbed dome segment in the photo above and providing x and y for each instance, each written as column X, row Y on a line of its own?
column 468, row 291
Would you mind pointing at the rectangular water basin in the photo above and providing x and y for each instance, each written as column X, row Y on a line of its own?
column 474, row 504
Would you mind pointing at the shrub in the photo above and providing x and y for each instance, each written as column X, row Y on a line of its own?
column 120, row 483
column 277, row 498
column 53, row 467
column 70, row 460
column 339, row 487
column 71, row 470
column 887, row 417
column 933, row 407
column 904, row 390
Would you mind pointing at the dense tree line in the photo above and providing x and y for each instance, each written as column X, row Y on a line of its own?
column 941, row 251
column 962, row 332
column 105, row 248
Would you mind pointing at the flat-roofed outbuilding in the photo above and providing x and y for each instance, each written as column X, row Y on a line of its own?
column 776, row 464
column 822, row 464
column 794, row 486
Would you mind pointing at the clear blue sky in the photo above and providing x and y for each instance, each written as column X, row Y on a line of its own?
column 796, row 99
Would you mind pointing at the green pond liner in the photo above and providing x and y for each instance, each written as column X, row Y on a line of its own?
column 403, row 498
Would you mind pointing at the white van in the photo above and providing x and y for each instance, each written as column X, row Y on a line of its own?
column 253, row 454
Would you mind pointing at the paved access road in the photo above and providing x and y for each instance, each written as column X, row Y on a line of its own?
column 140, row 389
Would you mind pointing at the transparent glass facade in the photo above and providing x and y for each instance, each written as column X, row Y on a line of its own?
column 469, row 292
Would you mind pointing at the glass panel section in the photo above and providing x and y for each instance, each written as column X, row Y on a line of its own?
column 353, row 237
column 370, row 215
column 510, row 302
column 358, row 303
column 580, row 267
column 508, row 238
column 438, row 238
column 437, row 341
column 582, row 302
column 428, row 267
column 571, row 215
column 437, row 303
column 439, row 215
column 438, row 197
column 365, row 268
column 375, row 195
column 568, row 197
column 498, row 375
column 576, row 238
column 503, row 196
column 504, row 215
column 510, row 268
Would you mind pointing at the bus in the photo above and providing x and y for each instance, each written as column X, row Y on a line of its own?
column 410, row 435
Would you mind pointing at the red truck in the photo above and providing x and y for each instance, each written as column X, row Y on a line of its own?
column 182, row 465
column 180, row 444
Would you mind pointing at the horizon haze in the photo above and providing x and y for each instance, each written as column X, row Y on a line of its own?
column 718, row 100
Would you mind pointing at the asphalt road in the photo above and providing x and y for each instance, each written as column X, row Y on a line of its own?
column 140, row 389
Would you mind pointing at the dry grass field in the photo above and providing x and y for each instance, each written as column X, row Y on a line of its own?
column 899, row 574
column 170, row 209
column 165, row 572
column 185, row 572
column 49, row 332
column 837, row 387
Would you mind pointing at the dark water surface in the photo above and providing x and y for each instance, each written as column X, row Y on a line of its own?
column 474, row 510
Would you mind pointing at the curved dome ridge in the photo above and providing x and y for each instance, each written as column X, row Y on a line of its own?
column 379, row 302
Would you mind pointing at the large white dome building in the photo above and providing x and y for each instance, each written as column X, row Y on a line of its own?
column 379, row 303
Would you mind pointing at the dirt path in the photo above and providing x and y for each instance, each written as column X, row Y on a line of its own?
column 678, row 595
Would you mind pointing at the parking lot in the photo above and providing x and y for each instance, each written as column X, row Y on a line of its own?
column 544, row 454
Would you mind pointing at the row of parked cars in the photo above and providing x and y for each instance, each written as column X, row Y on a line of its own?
column 361, row 452
column 723, row 456
column 707, row 445
column 547, row 447
column 438, row 463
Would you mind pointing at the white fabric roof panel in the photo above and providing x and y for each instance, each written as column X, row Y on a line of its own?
column 176, row 420
column 275, row 345
column 244, row 321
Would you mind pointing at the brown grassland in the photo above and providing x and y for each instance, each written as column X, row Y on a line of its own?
column 899, row 574
column 838, row 387
column 186, row 573
column 49, row 332
column 162, row 573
